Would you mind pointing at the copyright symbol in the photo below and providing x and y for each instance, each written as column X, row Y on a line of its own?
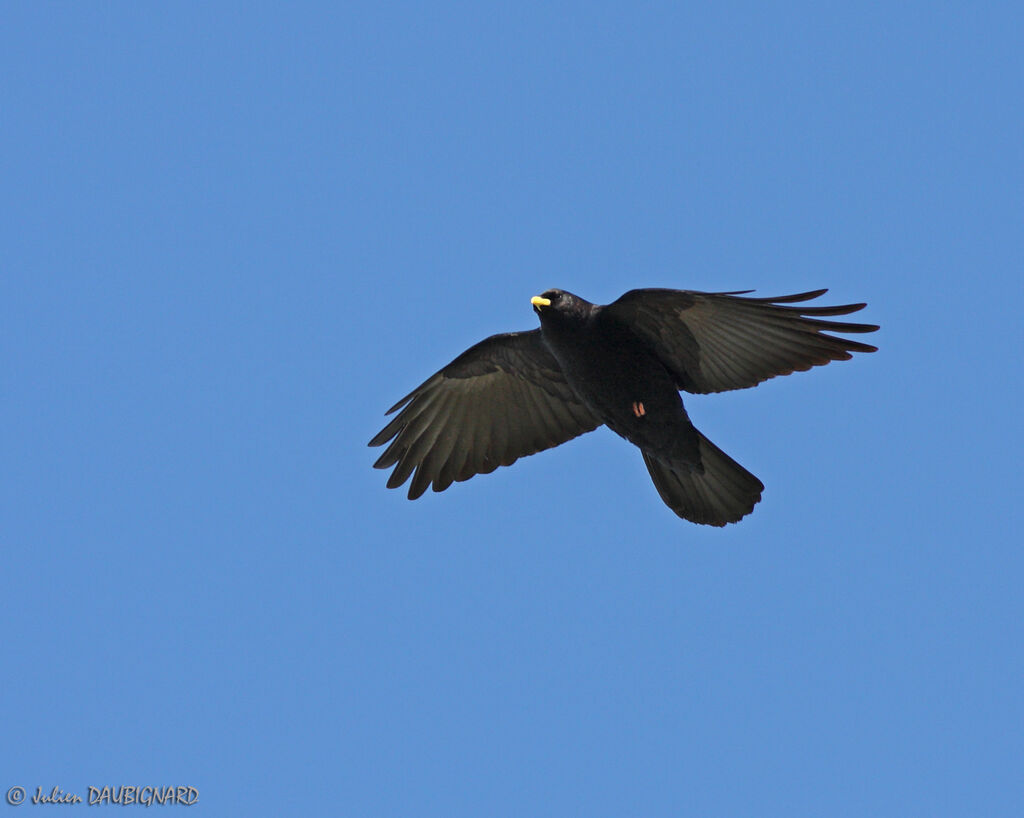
column 15, row 795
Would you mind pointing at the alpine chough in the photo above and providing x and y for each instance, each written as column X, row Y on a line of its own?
column 621, row 365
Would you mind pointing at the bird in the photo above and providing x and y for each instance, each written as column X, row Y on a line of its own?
column 620, row 365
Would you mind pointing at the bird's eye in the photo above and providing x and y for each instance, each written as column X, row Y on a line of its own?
column 553, row 295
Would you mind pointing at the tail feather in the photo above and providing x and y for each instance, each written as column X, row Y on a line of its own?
column 722, row 492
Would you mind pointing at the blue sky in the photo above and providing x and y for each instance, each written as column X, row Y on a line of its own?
column 234, row 234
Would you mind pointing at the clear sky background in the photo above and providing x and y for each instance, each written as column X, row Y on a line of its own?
column 234, row 234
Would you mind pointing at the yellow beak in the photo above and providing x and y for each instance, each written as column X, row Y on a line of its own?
column 537, row 301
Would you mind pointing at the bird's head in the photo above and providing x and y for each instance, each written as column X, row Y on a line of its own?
column 559, row 305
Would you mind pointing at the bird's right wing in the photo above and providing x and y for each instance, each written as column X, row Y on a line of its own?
column 500, row 400
column 717, row 341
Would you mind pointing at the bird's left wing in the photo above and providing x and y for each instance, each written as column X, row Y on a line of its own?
column 713, row 342
column 500, row 400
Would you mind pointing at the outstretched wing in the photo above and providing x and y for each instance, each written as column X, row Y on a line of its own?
column 713, row 342
column 498, row 401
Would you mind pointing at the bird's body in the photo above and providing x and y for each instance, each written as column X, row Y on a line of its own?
column 611, row 370
column 621, row 365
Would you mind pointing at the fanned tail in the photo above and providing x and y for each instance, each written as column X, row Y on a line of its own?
column 723, row 492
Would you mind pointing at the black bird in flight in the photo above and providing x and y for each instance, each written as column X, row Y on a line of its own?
column 621, row 365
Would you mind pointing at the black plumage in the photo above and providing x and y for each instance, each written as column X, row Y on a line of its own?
column 621, row 365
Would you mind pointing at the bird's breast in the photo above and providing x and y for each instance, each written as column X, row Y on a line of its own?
column 624, row 385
